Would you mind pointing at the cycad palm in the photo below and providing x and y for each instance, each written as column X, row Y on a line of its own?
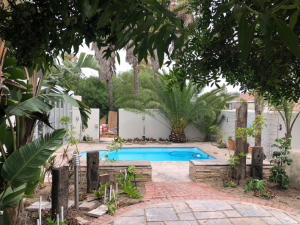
column 181, row 105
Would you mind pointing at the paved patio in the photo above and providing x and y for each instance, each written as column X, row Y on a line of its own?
column 170, row 172
column 192, row 203
column 172, row 199
column 209, row 212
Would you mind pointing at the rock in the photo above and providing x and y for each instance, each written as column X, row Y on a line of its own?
column 81, row 220
column 90, row 198
column 45, row 205
column 100, row 211
column 88, row 206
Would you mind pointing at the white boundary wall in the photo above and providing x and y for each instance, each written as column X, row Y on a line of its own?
column 63, row 109
column 151, row 125
column 93, row 129
column 274, row 129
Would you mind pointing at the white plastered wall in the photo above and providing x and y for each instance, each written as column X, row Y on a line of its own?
column 273, row 129
column 150, row 125
column 93, row 125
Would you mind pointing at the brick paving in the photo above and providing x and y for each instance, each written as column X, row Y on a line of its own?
column 208, row 212
column 196, row 204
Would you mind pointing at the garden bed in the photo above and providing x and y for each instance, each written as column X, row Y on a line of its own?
column 112, row 168
column 288, row 198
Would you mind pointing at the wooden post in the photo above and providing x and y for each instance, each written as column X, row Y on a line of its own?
column 239, row 171
column 104, row 179
column 259, row 108
column 92, row 171
column 60, row 190
column 258, row 157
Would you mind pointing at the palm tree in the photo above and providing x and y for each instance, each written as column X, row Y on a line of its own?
column 180, row 104
column 133, row 60
column 107, row 71
column 68, row 72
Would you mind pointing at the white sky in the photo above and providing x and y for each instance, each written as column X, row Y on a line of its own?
column 124, row 66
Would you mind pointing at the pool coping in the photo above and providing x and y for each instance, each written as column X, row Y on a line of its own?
column 149, row 147
column 221, row 156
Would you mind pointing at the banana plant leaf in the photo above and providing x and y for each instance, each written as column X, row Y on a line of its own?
column 42, row 104
column 23, row 166
column 12, row 196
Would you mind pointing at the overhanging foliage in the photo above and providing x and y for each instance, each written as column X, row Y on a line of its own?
column 254, row 44
column 38, row 31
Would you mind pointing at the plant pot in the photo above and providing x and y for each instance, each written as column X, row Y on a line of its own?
column 231, row 144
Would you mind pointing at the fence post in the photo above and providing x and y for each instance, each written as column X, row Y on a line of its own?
column 92, row 173
column 257, row 162
column 60, row 190
column 239, row 171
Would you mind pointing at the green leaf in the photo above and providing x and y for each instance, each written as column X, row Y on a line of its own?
column 32, row 105
column 289, row 37
column 31, row 186
column 87, row 61
column 246, row 32
column 294, row 19
column 23, row 166
column 12, row 197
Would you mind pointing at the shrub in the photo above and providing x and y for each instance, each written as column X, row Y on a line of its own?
column 112, row 206
column 259, row 188
column 127, row 182
column 230, row 184
column 101, row 191
column 280, row 160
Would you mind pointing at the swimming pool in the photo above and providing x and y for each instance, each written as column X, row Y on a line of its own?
column 155, row 154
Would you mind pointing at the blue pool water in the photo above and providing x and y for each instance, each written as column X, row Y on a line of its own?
column 155, row 154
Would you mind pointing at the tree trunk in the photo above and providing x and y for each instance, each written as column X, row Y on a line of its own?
column 259, row 107
column 133, row 61
column 60, row 190
column 155, row 64
column 288, row 133
column 110, row 94
column 177, row 137
column 239, row 172
column 92, row 173
column 107, row 71
column 257, row 160
column 137, row 81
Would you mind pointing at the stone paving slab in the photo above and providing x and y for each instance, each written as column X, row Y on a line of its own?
column 161, row 214
column 99, row 211
column 88, row 206
column 200, row 212
column 45, row 205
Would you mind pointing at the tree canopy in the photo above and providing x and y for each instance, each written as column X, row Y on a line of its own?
column 38, row 31
column 180, row 102
column 68, row 75
column 254, row 44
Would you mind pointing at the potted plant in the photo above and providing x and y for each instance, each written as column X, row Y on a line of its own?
column 230, row 143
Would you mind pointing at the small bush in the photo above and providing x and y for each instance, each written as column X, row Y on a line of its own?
column 101, row 191
column 230, row 184
column 127, row 182
column 280, row 160
column 53, row 222
column 279, row 176
column 259, row 188
column 112, row 206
